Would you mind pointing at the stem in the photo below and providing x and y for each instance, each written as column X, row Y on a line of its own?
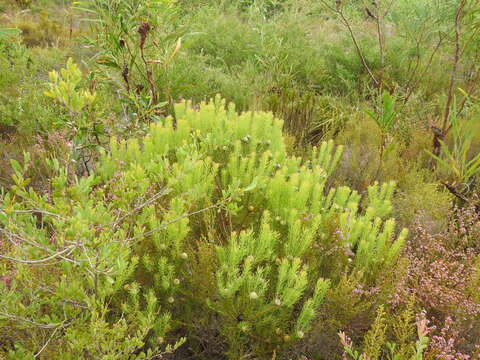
column 456, row 60
column 354, row 40
column 357, row 48
column 381, row 38
column 380, row 158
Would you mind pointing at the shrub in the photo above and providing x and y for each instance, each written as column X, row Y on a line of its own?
column 98, row 264
column 409, row 334
column 136, row 41
column 443, row 278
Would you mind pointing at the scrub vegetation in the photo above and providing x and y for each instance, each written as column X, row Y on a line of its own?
column 240, row 179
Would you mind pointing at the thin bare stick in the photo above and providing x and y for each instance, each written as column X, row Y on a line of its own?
column 164, row 225
column 33, row 323
column 11, row 235
column 47, row 342
column 456, row 59
column 34, row 211
column 164, row 191
column 354, row 40
column 68, row 250
column 411, row 87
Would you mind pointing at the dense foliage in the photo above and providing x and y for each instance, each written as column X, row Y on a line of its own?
column 261, row 179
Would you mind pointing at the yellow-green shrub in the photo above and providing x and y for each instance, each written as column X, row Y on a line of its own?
column 116, row 247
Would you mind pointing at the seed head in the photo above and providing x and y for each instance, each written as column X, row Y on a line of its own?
column 143, row 30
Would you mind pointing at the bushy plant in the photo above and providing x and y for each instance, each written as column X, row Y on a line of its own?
column 136, row 42
column 442, row 276
column 458, row 162
column 204, row 225
column 85, row 128
column 409, row 334
column 118, row 245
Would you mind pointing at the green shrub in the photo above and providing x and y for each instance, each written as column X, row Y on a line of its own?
column 409, row 334
column 101, row 262
column 136, row 41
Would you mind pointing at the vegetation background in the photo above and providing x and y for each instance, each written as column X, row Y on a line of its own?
column 240, row 179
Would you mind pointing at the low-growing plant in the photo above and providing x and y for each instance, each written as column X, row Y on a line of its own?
column 408, row 345
column 443, row 277
column 460, row 164
column 385, row 118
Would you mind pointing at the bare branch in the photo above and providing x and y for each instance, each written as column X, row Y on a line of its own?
column 164, row 225
column 47, row 342
column 68, row 250
column 456, row 59
column 354, row 40
column 33, row 323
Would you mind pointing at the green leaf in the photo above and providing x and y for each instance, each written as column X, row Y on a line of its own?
column 252, row 186
column 9, row 32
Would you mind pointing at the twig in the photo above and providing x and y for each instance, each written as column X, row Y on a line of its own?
column 164, row 191
column 68, row 249
column 46, row 343
column 354, row 40
column 411, row 87
column 454, row 192
column 164, row 225
column 456, row 60
column 33, row 323
column 34, row 211
column 10, row 234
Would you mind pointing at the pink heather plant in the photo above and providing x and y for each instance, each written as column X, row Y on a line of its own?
column 444, row 346
column 441, row 275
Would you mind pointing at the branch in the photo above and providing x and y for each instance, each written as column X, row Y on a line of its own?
column 456, row 60
column 33, row 323
column 164, row 225
column 454, row 192
column 339, row 11
column 68, row 250
column 47, row 342
column 412, row 86
column 155, row 197
column 34, row 211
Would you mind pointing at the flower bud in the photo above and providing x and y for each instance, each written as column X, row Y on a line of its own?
column 253, row 295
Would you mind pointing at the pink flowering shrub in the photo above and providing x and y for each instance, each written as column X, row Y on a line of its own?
column 443, row 277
